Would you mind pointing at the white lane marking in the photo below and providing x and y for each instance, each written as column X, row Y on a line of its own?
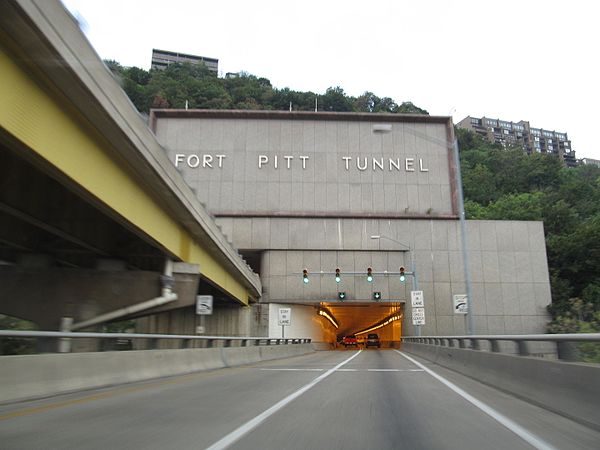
column 524, row 434
column 251, row 424
column 286, row 369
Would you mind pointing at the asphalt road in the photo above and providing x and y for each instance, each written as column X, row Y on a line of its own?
column 371, row 399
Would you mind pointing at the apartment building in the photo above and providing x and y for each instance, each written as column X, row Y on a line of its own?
column 521, row 134
column 161, row 59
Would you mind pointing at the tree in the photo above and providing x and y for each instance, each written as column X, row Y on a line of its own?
column 410, row 108
column 335, row 100
column 479, row 185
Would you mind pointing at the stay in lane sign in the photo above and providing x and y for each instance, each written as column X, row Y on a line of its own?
column 285, row 316
column 417, row 299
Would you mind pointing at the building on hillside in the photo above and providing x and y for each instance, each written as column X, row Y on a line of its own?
column 161, row 59
column 589, row 162
column 326, row 191
column 521, row 134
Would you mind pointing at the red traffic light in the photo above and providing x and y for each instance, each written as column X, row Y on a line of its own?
column 369, row 274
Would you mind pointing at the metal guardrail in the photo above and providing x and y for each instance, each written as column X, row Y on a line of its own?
column 153, row 339
column 563, row 342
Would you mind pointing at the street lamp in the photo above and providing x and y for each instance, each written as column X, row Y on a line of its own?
column 415, row 279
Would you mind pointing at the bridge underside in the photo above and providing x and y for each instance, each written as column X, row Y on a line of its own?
column 40, row 216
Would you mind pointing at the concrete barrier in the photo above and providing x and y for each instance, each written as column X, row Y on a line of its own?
column 569, row 389
column 34, row 376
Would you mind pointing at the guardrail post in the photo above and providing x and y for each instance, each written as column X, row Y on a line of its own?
column 186, row 343
column 475, row 344
column 64, row 344
column 227, row 342
column 152, row 344
column 494, row 346
column 567, row 351
column 210, row 343
column 461, row 343
column 523, row 348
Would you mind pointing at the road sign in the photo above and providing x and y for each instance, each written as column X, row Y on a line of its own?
column 285, row 316
column 418, row 316
column 417, row 299
column 460, row 304
column 418, row 313
column 204, row 305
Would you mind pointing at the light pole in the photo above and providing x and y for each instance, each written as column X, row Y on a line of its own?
column 463, row 238
column 415, row 278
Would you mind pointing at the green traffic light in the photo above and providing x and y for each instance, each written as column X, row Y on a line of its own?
column 402, row 278
column 305, row 276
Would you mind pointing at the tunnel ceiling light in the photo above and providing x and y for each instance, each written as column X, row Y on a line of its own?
column 326, row 314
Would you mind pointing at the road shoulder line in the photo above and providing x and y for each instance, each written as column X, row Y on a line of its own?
column 524, row 434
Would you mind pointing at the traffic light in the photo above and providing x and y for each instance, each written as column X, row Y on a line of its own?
column 369, row 275
column 342, row 296
column 338, row 277
column 402, row 276
column 305, row 276
column 376, row 296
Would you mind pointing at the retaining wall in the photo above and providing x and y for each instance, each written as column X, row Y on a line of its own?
column 570, row 389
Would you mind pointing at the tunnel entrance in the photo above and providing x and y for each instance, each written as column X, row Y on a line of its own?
column 385, row 319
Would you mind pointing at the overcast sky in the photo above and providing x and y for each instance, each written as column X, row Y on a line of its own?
column 513, row 60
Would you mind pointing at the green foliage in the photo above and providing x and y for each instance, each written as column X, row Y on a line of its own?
column 202, row 89
column 16, row 346
column 583, row 316
column 508, row 184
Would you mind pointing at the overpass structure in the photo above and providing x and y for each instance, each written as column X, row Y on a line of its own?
column 93, row 217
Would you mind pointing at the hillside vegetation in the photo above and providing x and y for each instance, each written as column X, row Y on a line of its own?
column 508, row 184
column 202, row 89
